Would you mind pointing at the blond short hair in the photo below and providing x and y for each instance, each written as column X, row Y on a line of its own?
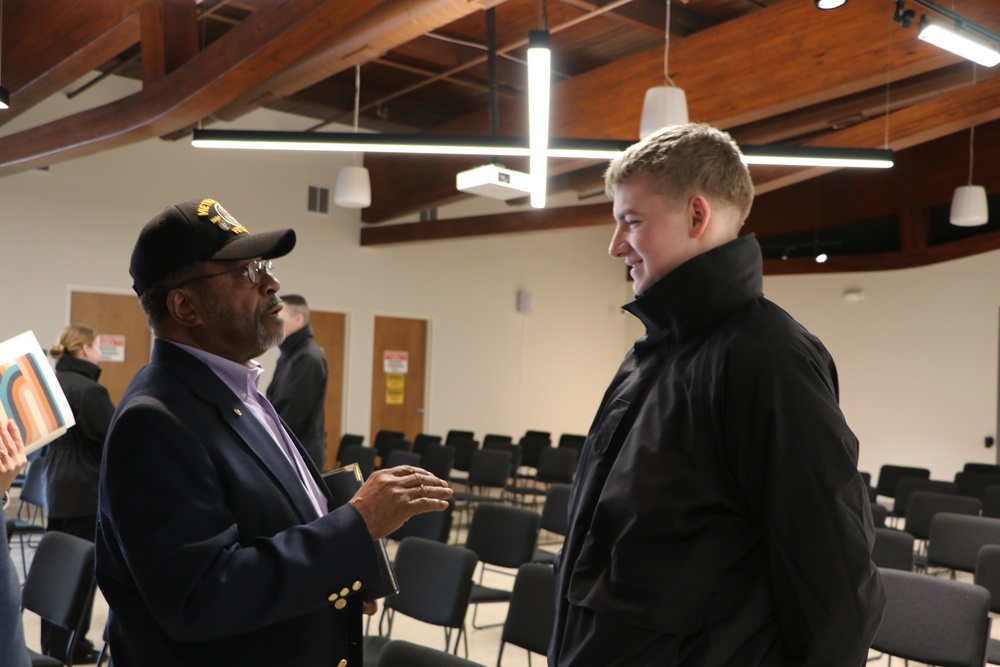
column 685, row 160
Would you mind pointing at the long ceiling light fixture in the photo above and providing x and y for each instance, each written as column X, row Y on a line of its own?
column 962, row 37
column 594, row 149
column 539, row 79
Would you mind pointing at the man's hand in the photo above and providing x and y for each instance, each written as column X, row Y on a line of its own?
column 12, row 458
column 389, row 497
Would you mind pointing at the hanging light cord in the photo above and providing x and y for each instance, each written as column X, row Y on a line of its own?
column 357, row 95
column 666, row 48
column 972, row 136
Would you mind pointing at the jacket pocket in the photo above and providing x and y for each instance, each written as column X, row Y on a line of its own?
column 612, row 418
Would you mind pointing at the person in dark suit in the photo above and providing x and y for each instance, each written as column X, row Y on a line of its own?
column 298, row 388
column 12, row 646
column 717, row 515
column 217, row 540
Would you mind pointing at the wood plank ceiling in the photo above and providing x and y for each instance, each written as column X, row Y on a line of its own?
column 768, row 71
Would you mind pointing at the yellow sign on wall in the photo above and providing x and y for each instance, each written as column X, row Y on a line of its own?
column 394, row 384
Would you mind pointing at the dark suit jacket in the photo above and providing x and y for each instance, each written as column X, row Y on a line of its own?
column 208, row 549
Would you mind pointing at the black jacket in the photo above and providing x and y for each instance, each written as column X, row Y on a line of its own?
column 74, row 460
column 298, row 391
column 718, row 515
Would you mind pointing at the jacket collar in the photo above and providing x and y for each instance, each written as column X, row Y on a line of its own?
column 77, row 365
column 292, row 341
column 700, row 291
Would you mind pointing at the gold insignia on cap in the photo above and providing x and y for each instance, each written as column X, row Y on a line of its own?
column 218, row 216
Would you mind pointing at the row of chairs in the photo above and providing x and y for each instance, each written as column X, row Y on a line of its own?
column 437, row 583
column 896, row 481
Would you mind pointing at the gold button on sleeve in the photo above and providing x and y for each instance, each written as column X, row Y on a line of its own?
column 333, row 596
column 356, row 585
column 342, row 663
column 340, row 604
column 344, row 591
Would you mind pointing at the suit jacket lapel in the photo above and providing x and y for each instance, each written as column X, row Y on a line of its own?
column 206, row 385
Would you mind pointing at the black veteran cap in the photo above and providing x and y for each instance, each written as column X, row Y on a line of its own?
column 198, row 231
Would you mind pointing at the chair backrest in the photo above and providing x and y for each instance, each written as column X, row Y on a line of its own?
column 532, row 610
column 421, row 441
column 512, row 447
column 555, row 511
column 889, row 476
column 532, row 444
column 493, row 438
column 435, row 581
column 429, row 525
column 363, row 456
column 351, row 439
column 572, row 441
column 893, row 549
column 490, row 467
column 454, row 435
column 59, row 585
column 981, row 467
column 955, row 540
column 383, row 437
column 391, row 445
column 35, row 489
column 933, row 620
column 464, row 449
column 399, row 653
column 991, row 501
column 438, row 460
column 973, row 484
column 502, row 535
column 557, row 465
column 401, row 457
column 907, row 486
column 879, row 514
column 866, row 476
column 924, row 505
column 987, row 573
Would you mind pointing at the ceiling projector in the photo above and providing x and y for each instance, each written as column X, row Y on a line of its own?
column 494, row 181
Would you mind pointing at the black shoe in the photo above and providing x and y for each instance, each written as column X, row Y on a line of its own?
column 85, row 653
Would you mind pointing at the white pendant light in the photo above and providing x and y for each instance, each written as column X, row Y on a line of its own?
column 663, row 105
column 354, row 187
column 968, row 204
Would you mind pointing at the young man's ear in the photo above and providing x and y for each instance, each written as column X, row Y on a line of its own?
column 700, row 212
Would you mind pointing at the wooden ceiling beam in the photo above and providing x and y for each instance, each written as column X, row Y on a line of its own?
column 91, row 32
column 264, row 44
column 815, row 58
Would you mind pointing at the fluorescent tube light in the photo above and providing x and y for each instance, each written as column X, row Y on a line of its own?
column 960, row 42
column 539, row 78
column 593, row 149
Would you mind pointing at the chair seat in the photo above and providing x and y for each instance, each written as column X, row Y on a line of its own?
column 543, row 556
column 993, row 652
column 373, row 645
column 39, row 660
column 482, row 593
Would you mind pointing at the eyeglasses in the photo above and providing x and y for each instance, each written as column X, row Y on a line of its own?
column 253, row 272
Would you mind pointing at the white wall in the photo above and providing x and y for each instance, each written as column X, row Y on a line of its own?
column 917, row 358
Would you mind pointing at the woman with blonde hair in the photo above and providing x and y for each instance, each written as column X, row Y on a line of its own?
column 73, row 461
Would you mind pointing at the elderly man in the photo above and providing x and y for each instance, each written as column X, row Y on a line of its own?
column 217, row 541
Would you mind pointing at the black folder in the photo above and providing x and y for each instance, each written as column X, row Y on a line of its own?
column 343, row 484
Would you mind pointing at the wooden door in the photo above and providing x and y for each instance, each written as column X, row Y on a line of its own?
column 398, row 379
column 330, row 332
column 121, row 321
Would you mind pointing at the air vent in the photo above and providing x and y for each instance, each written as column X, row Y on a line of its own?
column 319, row 199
